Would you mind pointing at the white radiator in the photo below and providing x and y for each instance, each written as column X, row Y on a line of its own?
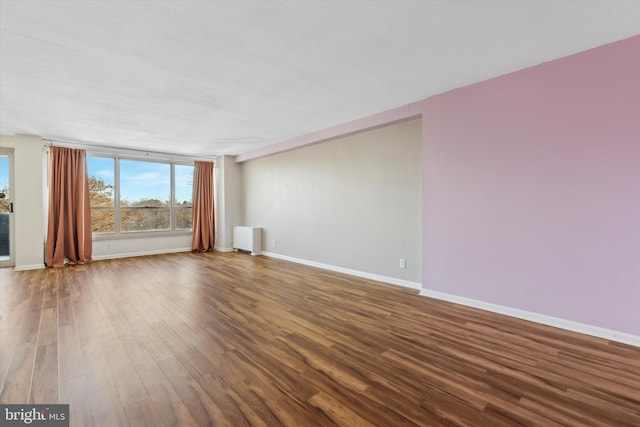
column 248, row 239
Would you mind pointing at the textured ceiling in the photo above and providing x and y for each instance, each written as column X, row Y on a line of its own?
column 214, row 77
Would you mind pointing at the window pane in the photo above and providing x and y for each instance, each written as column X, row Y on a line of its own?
column 101, row 180
column 183, row 218
column 183, row 192
column 4, row 184
column 184, row 185
column 101, row 193
column 145, row 194
column 5, row 199
column 145, row 218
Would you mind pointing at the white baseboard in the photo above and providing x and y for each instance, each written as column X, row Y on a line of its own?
column 557, row 322
column 29, row 267
column 363, row 274
column 144, row 253
column 224, row 249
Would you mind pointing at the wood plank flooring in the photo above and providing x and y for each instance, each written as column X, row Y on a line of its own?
column 233, row 340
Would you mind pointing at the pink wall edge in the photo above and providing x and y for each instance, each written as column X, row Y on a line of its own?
column 385, row 118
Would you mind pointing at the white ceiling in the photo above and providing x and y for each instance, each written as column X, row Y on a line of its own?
column 215, row 77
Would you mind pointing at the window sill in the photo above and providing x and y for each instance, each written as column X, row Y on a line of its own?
column 140, row 234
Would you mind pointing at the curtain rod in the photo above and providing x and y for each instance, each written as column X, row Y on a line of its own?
column 101, row 149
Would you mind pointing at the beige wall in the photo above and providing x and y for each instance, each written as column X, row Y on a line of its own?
column 28, row 199
column 354, row 202
column 228, row 201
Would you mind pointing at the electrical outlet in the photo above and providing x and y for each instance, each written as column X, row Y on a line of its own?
column 273, row 242
column 403, row 263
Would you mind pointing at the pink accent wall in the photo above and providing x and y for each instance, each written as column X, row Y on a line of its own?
column 531, row 192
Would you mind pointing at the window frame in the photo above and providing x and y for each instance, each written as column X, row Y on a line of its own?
column 118, row 233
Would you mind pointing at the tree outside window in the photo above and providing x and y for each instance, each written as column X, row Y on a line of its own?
column 101, row 194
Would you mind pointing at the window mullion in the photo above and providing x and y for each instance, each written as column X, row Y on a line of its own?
column 117, row 194
column 172, row 214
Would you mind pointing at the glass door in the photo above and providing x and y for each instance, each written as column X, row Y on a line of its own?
column 7, row 234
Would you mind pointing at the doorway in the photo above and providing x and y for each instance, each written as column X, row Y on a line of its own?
column 7, row 229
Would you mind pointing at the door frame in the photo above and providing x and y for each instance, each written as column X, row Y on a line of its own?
column 11, row 262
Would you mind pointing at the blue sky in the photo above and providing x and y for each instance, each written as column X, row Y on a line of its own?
column 184, row 182
column 4, row 172
column 143, row 180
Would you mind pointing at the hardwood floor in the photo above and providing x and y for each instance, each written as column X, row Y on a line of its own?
column 232, row 340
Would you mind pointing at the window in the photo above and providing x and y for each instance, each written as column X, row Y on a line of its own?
column 130, row 195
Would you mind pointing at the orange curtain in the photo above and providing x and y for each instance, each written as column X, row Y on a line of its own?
column 69, row 229
column 203, row 238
